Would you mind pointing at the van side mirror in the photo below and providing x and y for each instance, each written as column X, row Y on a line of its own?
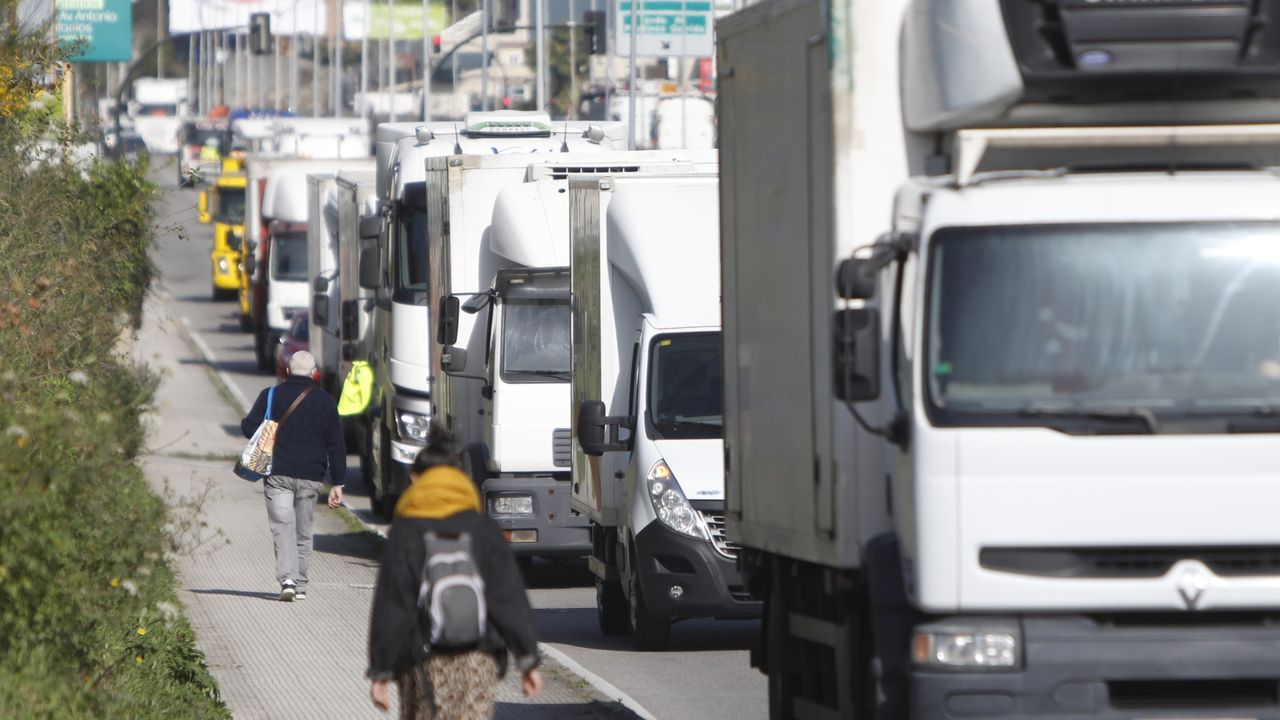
column 597, row 433
column 370, row 272
column 453, row 360
column 857, row 354
column 202, row 206
column 320, row 309
column 447, row 321
column 370, row 227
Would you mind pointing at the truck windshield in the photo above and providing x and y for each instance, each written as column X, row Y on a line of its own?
column 535, row 342
column 289, row 256
column 1103, row 325
column 684, row 386
column 230, row 206
column 412, row 250
column 200, row 136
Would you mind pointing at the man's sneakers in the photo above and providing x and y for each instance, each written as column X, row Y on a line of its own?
column 288, row 591
column 300, row 595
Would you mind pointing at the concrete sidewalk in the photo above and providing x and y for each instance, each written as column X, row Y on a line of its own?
column 273, row 660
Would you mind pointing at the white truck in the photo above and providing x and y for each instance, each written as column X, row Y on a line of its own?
column 647, row 452
column 520, row 447
column 158, row 108
column 409, row 272
column 1002, row 355
column 323, row 251
column 320, row 137
column 284, row 274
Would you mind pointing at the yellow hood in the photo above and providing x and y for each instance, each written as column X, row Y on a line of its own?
column 438, row 493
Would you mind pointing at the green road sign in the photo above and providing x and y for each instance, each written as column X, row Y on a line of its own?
column 97, row 30
column 667, row 27
column 407, row 19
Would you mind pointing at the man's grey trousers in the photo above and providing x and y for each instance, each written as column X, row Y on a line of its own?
column 291, row 510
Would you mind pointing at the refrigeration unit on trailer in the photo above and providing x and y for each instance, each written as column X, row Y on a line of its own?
column 1002, row 355
column 402, row 269
column 519, row 450
column 647, row 457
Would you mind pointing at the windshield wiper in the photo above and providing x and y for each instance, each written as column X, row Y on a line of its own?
column 690, row 424
column 557, row 374
column 1140, row 417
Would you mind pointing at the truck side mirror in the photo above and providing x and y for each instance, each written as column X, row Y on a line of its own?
column 447, row 321
column 233, row 240
column 856, row 278
column 250, row 263
column 350, row 321
column 320, row 309
column 857, row 354
column 370, row 227
column 591, row 427
column 453, row 360
column 370, row 273
column 320, row 284
column 202, row 206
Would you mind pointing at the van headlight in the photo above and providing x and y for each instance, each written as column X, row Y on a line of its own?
column 967, row 646
column 413, row 426
column 669, row 502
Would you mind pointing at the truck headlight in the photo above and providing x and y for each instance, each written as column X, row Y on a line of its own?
column 223, row 265
column 976, row 647
column 413, row 426
column 513, row 505
column 669, row 502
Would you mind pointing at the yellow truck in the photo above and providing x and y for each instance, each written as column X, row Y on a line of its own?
column 224, row 205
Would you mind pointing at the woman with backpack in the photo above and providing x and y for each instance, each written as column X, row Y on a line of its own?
column 449, row 602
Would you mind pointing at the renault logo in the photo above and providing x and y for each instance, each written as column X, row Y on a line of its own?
column 1191, row 587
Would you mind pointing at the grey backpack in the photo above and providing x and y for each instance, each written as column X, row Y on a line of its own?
column 451, row 606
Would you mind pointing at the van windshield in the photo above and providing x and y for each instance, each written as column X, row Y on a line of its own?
column 289, row 256
column 684, row 386
column 1165, row 322
column 535, row 342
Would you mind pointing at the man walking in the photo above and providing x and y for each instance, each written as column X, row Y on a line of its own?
column 307, row 443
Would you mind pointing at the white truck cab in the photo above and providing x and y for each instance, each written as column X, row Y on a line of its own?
column 647, row 452
column 417, row 262
column 1002, row 356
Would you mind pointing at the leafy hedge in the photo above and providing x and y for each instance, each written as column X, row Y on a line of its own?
column 89, row 622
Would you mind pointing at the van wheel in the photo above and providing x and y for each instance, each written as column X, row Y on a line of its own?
column 611, row 608
column 648, row 633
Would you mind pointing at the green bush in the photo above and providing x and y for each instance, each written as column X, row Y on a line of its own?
column 89, row 621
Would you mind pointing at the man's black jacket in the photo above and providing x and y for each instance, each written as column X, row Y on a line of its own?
column 396, row 642
column 311, row 440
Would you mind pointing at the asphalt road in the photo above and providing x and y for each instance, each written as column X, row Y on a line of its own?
column 705, row 674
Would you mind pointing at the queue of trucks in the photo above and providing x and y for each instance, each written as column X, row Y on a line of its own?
column 957, row 363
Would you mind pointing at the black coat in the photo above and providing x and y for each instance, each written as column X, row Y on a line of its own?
column 396, row 642
column 311, row 440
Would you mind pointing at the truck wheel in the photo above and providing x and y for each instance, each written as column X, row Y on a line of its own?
column 246, row 323
column 648, row 633
column 387, row 501
column 611, row 608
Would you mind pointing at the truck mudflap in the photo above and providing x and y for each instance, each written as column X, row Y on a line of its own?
column 552, row 530
column 1120, row 668
column 710, row 582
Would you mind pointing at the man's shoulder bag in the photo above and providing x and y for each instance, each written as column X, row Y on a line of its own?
column 254, row 462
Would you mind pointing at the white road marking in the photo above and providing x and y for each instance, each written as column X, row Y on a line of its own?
column 604, row 686
column 211, row 359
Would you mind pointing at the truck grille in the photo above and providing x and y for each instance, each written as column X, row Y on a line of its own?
column 715, row 527
column 1130, row 562
column 561, row 447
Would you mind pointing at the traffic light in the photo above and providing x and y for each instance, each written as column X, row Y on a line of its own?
column 260, row 33
column 504, row 15
column 435, row 45
column 597, row 31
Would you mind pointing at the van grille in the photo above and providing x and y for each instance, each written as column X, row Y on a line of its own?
column 1130, row 562
column 561, row 447
column 715, row 527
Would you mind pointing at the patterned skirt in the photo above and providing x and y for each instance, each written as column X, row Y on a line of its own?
column 450, row 687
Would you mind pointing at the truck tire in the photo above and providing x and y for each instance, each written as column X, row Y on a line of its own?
column 385, row 505
column 260, row 348
column 611, row 608
column 246, row 323
column 648, row 633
